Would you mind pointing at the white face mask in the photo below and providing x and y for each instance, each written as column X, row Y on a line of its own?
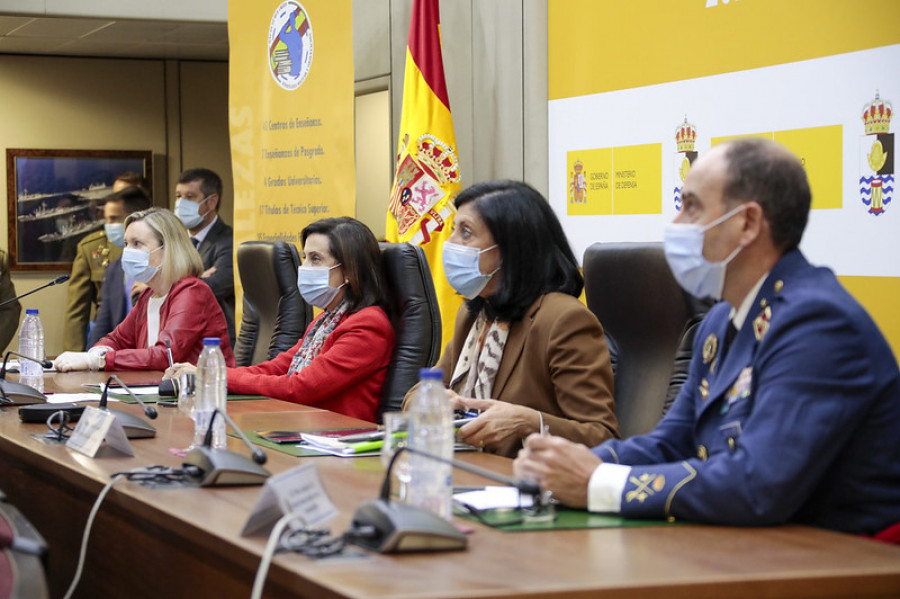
column 136, row 264
column 461, row 267
column 683, row 245
column 312, row 281
column 188, row 212
column 115, row 232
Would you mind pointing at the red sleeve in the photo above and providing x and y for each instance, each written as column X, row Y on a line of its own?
column 357, row 348
column 126, row 333
column 189, row 314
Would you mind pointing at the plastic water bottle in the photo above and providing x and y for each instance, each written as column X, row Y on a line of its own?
column 431, row 431
column 31, row 343
column 211, row 391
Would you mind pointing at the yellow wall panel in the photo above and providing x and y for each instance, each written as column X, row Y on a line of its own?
column 637, row 174
column 644, row 42
column 879, row 296
column 590, row 189
column 820, row 150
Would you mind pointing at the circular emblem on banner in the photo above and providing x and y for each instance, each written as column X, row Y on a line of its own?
column 290, row 45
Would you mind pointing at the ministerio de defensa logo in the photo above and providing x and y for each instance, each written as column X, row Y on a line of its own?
column 290, row 45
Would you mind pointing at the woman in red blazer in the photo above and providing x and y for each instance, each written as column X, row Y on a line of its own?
column 341, row 362
column 176, row 308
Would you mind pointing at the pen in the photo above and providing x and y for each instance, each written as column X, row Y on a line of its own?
column 169, row 352
column 364, row 447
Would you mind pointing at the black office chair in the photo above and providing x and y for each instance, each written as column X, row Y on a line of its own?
column 416, row 319
column 275, row 315
column 644, row 312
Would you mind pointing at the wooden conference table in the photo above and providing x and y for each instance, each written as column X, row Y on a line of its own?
column 186, row 543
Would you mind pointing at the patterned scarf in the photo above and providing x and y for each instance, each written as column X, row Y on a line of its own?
column 483, row 348
column 315, row 338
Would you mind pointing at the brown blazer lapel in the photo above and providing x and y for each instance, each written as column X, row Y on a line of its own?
column 515, row 344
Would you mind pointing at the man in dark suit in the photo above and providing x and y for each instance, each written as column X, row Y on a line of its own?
column 116, row 293
column 791, row 407
column 199, row 193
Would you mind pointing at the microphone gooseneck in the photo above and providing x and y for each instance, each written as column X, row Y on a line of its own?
column 43, row 362
column 259, row 456
column 149, row 411
column 525, row 486
column 56, row 281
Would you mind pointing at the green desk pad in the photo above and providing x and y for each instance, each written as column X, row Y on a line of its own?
column 566, row 519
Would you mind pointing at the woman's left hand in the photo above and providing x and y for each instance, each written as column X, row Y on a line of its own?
column 498, row 421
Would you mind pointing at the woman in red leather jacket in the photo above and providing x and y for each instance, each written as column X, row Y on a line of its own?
column 176, row 308
column 341, row 362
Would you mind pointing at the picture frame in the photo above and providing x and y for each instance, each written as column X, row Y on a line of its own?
column 55, row 199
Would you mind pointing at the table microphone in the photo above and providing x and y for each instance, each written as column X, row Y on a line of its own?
column 56, row 281
column 134, row 426
column 390, row 527
column 20, row 544
column 20, row 394
column 210, row 467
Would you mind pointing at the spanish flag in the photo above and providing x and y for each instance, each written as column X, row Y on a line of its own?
column 427, row 176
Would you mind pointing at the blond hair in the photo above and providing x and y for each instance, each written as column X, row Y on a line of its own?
column 180, row 257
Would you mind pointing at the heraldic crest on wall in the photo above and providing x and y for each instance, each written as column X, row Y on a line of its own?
column 876, row 181
column 685, row 143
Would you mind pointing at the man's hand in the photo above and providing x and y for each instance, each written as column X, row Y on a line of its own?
column 498, row 421
column 137, row 287
column 175, row 371
column 558, row 465
column 208, row 272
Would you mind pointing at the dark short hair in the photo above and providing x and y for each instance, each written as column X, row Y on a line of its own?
column 535, row 255
column 210, row 182
column 133, row 199
column 132, row 178
column 354, row 246
column 767, row 173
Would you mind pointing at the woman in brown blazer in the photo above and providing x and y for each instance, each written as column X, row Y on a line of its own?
column 525, row 350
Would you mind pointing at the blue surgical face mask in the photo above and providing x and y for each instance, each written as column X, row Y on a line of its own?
column 136, row 264
column 683, row 246
column 188, row 212
column 312, row 281
column 462, row 270
column 115, row 233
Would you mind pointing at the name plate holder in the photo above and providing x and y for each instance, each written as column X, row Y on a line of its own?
column 297, row 491
column 94, row 427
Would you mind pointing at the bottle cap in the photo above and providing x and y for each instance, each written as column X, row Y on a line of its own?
column 431, row 373
column 31, row 311
column 211, row 341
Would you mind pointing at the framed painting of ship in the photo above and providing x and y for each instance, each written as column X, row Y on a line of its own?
column 56, row 197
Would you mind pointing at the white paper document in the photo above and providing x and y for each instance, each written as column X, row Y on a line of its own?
column 493, row 497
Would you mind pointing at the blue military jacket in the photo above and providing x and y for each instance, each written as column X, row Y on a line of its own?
column 798, row 421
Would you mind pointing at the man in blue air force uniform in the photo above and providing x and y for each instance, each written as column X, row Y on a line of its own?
column 795, row 419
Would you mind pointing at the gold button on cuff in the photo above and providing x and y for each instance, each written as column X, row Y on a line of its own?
column 702, row 453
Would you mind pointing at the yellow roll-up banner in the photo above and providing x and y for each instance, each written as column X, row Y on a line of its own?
column 291, row 115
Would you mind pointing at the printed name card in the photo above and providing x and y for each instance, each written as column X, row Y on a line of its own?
column 93, row 428
column 298, row 491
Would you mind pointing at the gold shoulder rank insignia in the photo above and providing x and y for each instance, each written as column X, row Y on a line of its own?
column 709, row 348
column 761, row 323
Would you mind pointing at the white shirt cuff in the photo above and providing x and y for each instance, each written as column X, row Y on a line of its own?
column 606, row 486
